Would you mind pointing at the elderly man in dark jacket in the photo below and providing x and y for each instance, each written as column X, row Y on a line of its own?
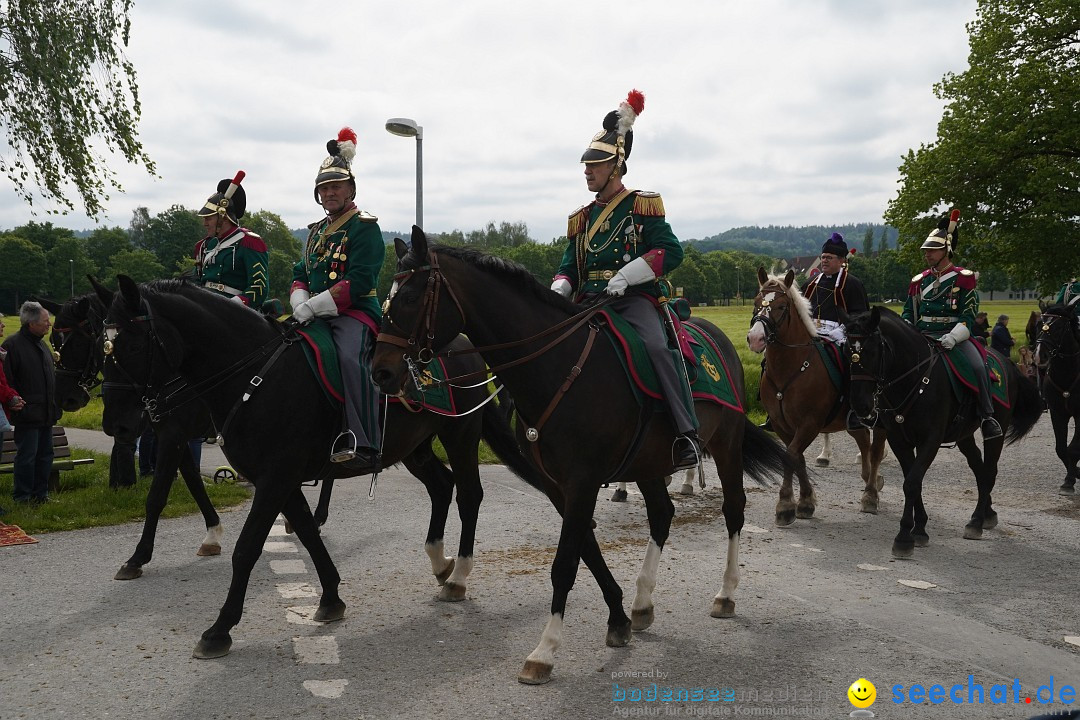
column 29, row 369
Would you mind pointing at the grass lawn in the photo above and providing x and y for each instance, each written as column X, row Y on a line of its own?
column 85, row 499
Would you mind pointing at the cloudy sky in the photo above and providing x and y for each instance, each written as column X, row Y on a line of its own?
column 757, row 112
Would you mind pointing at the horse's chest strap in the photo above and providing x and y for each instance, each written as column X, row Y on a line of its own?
column 533, row 433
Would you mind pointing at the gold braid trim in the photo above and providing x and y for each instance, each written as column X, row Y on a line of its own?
column 576, row 223
column 649, row 204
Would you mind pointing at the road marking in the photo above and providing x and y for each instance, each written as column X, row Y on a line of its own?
column 320, row 650
column 806, row 547
column 326, row 688
column 1072, row 639
column 868, row 566
column 297, row 590
column 288, row 567
column 753, row 529
column 280, row 547
column 302, row 614
column 917, row 584
column 278, row 531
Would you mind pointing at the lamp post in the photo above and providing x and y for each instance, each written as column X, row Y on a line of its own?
column 738, row 284
column 71, row 269
column 406, row 127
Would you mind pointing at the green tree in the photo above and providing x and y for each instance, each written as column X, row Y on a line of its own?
column 281, row 267
column 868, row 242
column 993, row 280
column 68, row 266
column 171, row 237
column 44, row 235
column 274, row 232
column 140, row 265
column 66, row 91
column 507, row 234
column 1008, row 145
column 25, row 270
column 102, row 244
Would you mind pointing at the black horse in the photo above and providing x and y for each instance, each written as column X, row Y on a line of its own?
column 578, row 415
column 1058, row 345
column 899, row 379
column 77, row 340
column 180, row 343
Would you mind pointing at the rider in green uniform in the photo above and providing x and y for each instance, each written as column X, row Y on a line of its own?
column 336, row 280
column 1069, row 293
column 231, row 260
column 621, row 244
column 942, row 302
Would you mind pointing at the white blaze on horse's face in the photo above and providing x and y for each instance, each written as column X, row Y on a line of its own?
column 756, row 337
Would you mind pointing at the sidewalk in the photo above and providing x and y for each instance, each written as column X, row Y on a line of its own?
column 212, row 456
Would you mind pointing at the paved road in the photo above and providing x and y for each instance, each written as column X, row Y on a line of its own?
column 819, row 606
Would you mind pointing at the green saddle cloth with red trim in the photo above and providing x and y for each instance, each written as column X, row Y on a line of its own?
column 710, row 378
column 834, row 362
column 963, row 380
column 322, row 357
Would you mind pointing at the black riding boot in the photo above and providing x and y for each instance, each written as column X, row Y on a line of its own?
column 685, row 451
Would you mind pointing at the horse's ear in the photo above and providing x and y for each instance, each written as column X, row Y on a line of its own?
column 1042, row 306
column 105, row 295
column 875, row 318
column 130, row 292
column 789, row 278
column 51, row 306
column 400, row 248
column 82, row 307
column 762, row 277
column 419, row 243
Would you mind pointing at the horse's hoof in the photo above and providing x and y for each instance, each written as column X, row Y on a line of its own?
column 128, row 572
column 805, row 512
column 641, row 619
column 452, row 592
column 441, row 577
column 331, row 612
column 722, row 608
column 535, row 673
column 868, row 506
column 921, row 539
column 785, row 517
column 686, row 489
column 990, row 521
column 822, row 462
column 903, row 550
column 1067, row 489
column 210, row 649
column 618, row 496
column 206, row 550
column 618, row 635
column 973, row 532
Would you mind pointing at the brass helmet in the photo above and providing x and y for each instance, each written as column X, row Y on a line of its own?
column 617, row 138
column 338, row 164
column 945, row 236
column 229, row 201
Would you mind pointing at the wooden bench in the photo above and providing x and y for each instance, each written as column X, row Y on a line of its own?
column 62, row 459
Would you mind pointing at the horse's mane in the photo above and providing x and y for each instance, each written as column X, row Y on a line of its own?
column 856, row 324
column 798, row 301
column 189, row 292
column 511, row 272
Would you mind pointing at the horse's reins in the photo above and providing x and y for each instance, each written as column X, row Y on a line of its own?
column 900, row 409
column 1056, row 352
column 87, row 378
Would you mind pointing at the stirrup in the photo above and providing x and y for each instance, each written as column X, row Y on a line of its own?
column 348, row 451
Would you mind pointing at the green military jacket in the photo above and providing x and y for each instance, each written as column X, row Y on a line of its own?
column 234, row 266
column 635, row 227
column 936, row 304
column 348, row 250
column 1069, row 293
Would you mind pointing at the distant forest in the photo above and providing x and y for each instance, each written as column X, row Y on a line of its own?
column 786, row 241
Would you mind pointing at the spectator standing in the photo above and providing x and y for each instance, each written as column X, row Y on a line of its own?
column 980, row 329
column 9, row 399
column 30, row 370
column 1000, row 337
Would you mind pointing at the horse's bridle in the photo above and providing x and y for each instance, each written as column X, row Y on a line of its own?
column 764, row 316
column 859, row 373
column 86, row 378
column 1055, row 348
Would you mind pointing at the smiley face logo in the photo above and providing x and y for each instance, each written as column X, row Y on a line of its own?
column 862, row 693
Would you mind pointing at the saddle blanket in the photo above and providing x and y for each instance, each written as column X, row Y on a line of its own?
column 962, row 376
column 710, row 380
column 322, row 357
column 834, row 363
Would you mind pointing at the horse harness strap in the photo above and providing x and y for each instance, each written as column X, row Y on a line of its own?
column 255, row 382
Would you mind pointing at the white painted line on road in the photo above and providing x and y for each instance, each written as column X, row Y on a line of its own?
column 753, row 529
column 278, row 531
column 917, row 584
column 320, row 650
column 297, row 590
column 280, row 547
column 806, row 547
column 1072, row 639
column 288, row 567
column 868, row 566
column 302, row 615
column 326, row 688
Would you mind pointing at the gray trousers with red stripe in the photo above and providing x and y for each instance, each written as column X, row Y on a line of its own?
column 355, row 345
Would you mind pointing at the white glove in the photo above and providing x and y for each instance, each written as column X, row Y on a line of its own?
column 636, row 272
column 323, row 304
column 302, row 313
column 239, row 299
column 562, row 286
column 958, row 334
column 298, row 296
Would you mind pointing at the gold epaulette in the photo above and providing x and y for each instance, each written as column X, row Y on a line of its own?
column 251, row 234
column 575, row 224
column 917, row 278
column 965, row 271
column 649, row 204
column 365, row 216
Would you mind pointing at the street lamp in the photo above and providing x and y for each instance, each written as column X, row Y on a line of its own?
column 738, row 285
column 406, row 127
column 71, row 268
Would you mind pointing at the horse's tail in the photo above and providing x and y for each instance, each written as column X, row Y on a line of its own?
column 763, row 457
column 499, row 436
column 1027, row 407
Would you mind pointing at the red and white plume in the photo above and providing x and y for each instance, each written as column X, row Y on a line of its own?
column 629, row 109
column 346, row 140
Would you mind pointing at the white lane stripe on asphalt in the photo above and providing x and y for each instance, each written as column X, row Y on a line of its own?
column 326, row 688
column 280, row 547
column 320, row 650
column 297, row 590
column 278, row 531
column 288, row 567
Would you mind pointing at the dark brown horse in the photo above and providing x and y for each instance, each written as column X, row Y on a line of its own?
column 799, row 396
column 1058, row 345
column 578, row 416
